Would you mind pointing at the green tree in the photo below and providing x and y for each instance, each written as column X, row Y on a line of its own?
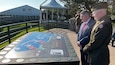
column 72, row 6
column 76, row 5
column 113, row 7
column 89, row 3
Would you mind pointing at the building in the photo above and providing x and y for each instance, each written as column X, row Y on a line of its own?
column 52, row 10
column 19, row 14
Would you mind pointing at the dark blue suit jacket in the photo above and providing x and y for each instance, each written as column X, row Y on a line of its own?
column 84, row 37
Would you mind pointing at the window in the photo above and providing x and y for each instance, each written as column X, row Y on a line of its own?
column 24, row 9
column 29, row 9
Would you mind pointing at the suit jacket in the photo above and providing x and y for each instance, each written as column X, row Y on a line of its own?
column 84, row 36
column 97, row 48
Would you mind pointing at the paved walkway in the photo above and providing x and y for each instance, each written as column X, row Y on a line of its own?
column 73, row 36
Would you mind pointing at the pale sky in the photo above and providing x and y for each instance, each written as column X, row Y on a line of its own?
column 9, row 4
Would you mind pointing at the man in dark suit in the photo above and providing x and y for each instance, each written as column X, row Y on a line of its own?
column 84, row 33
column 97, row 48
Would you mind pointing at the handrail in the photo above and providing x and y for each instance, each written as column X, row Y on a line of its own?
column 12, row 29
column 18, row 23
column 10, row 33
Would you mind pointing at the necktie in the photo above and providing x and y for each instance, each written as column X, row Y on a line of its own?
column 84, row 25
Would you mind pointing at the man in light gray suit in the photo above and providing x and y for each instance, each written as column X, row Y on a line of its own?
column 84, row 33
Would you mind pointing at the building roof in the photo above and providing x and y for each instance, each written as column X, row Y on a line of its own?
column 52, row 4
column 23, row 10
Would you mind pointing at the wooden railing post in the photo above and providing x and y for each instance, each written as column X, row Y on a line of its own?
column 38, row 26
column 26, row 27
column 9, row 34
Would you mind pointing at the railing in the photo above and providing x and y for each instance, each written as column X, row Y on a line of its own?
column 55, row 24
column 8, row 32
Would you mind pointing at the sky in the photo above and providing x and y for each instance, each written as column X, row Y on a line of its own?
column 9, row 4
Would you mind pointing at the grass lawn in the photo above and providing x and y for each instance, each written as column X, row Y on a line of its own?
column 34, row 29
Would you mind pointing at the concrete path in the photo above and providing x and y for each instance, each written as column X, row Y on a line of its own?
column 73, row 37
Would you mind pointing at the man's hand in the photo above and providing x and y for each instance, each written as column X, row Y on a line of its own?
column 78, row 43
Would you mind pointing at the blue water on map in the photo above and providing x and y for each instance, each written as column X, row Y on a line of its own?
column 33, row 41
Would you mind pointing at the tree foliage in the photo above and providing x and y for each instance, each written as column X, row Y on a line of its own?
column 77, row 5
column 113, row 7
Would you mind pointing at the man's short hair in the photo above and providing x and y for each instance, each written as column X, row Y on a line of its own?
column 85, row 12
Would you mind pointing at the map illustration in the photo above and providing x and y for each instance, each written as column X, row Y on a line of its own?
column 39, row 44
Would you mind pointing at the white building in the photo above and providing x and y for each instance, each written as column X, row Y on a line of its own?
column 19, row 14
column 52, row 11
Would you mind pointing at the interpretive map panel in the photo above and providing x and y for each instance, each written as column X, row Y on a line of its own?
column 39, row 47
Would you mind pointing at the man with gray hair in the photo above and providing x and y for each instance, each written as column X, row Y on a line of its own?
column 84, row 33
